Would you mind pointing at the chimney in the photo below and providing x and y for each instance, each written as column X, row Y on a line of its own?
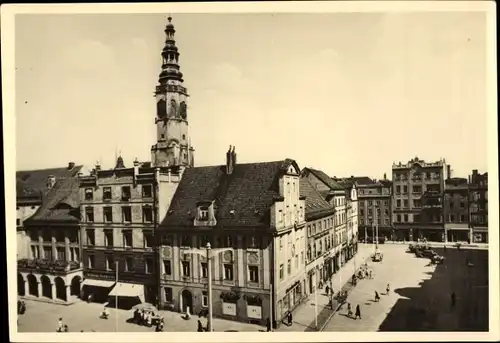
column 448, row 171
column 71, row 165
column 233, row 155
column 97, row 166
column 136, row 162
column 385, row 176
column 51, row 181
column 229, row 160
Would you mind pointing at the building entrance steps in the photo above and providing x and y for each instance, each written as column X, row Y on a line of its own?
column 304, row 315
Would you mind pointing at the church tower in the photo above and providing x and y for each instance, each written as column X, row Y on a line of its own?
column 173, row 147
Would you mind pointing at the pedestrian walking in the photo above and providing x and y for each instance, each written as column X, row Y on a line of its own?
column 200, row 326
column 377, row 297
column 349, row 310
column 268, row 325
column 60, row 325
column 388, row 289
column 327, row 289
column 358, row 312
column 370, row 276
column 66, row 328
column 290, row 318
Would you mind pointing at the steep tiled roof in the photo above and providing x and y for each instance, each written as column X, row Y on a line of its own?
column 316, row 205
column 61, row 202
column 33, row 183
column 242, row 198
column 325, row 179
column 357, row 180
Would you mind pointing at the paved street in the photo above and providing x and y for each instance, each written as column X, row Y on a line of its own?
column 420, row 294
column 43, row 317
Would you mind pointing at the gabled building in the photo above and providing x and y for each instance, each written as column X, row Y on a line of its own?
column 335, row 194
column 48, row 215
column 254, row 211
column 323, row 244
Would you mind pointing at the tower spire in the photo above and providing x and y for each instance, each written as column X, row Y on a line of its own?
column 170, row 69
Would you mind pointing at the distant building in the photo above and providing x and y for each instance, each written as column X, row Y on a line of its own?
column 49, row 266
column 478, row 188
column 418, row 194
column 256, row 212
column 120, row 210
column 456, row 210
column 323, row 247
column 375, row 209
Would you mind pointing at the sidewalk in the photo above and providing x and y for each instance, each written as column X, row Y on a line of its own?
column 304, row 315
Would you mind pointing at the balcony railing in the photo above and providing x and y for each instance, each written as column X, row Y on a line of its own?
column 48, row 265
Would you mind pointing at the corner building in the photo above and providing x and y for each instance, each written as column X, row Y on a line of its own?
column 256, row 211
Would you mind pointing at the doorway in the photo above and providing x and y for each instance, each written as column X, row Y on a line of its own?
column 187, row 301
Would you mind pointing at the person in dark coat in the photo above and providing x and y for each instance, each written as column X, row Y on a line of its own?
column 327, row 289
column 358, row 312
column 200, row 326
column 290, row 318
column 268, row 325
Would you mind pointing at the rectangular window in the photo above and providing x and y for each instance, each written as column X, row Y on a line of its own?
column 106, row 193
column 203, row 212
column 186, row 270
column 110, row 262
column 89, row 214
column 148, row 239
column 35, row 252
column 452, row 217
column 405, row 189
column 90, row 237
column 386, row 203
column 253, row 274
column 61, row 254
column 127, row 238
column 167, row 267
column 297, row 261
column 282, row 271
column 289, row 267
column 398, row 218
column 398, row 203
column 126, row 214
column 89, row 194
column 75, row 254
column 149, row 265
column 108, row 214
column 47, row 253
column 204, row 299
column 125, row 193
column 91, row 261
column 462, row 218
column 462, row 205
column 147, row 191
column 228, row 272
column 129, row 264
column 168, row 294
column 302, row 257
column 147, row 214
column 108, row 238
column 369, row 202
column 405, row 203
column 417, row 189
column 406, row 218
column 204, row 270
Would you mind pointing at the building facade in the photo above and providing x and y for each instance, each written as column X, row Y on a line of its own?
column 49, row 268
column 120, row 210
column 351, row 208
column 418, row 196
column 478, row 205
column 323, row 247
column 456, row 210
column 256, row 214
column 375, row 210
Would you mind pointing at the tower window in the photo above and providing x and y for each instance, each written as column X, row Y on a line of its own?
column 162, row 136
column 183, row 136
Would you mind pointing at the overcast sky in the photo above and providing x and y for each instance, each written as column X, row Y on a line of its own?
column 348, row 93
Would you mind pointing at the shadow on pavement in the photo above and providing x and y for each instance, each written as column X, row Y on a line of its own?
column 429, row 307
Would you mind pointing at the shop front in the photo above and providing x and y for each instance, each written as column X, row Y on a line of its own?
column 293, row 297
column 480, row 235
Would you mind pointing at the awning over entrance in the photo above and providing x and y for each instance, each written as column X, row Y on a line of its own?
column 128, row 290
column 97, row 283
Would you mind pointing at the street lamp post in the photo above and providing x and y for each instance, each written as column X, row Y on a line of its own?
column 209, row 253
